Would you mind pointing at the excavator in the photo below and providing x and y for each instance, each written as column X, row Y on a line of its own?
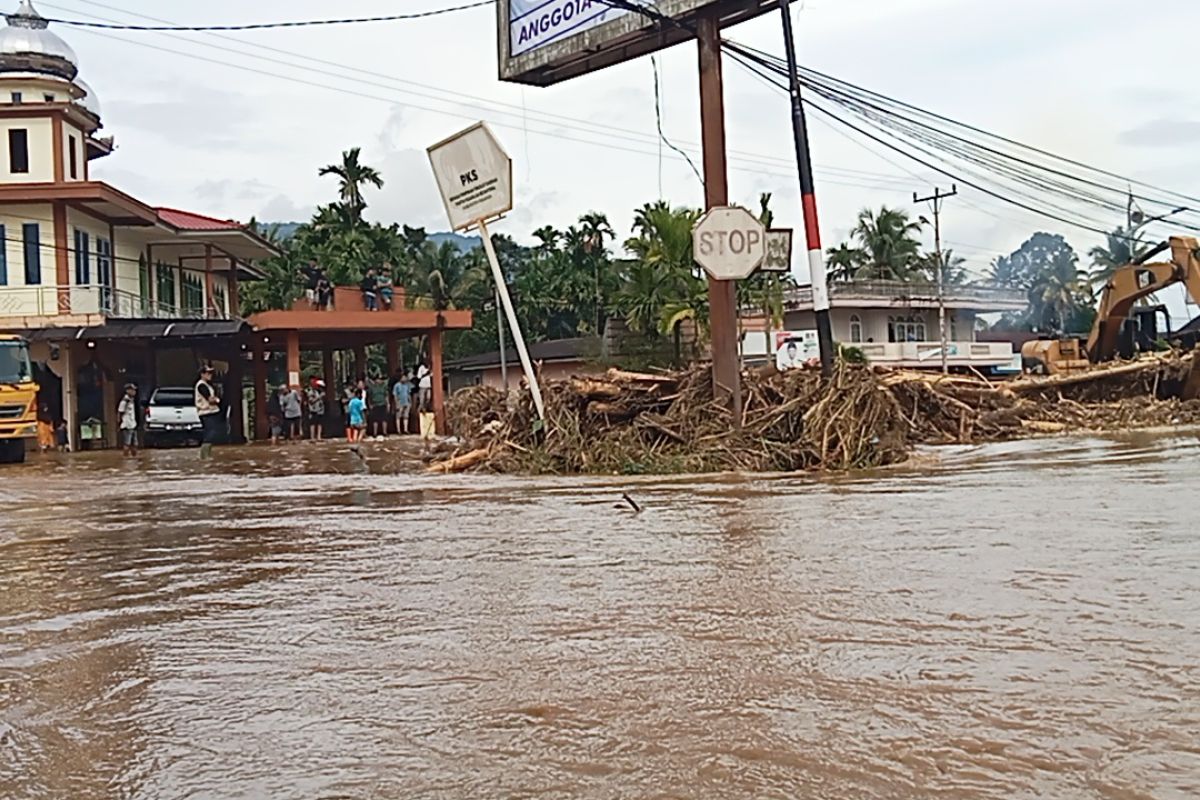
column 1127, row 285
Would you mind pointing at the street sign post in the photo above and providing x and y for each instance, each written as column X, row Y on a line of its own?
column 474, row 177
column 779, row 251
column 729, row 242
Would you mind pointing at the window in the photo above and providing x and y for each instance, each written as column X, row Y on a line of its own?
column 165, row 287
column 3, row 256
column 193, row 295
column 83, row 259
column 906, row 329
column 16, row 98
column 18, row 150
column 856, row 330
column 73, row 157
column 32, row 237
column 104, row 271
column 220, row 301
column 144, row 284
column 49, row 97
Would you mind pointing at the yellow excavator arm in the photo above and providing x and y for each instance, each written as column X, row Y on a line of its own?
column 1135, row 281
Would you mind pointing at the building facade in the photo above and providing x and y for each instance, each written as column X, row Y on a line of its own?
column 896, row 323
column 95, row 277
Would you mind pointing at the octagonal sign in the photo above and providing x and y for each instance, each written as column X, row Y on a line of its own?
column 729, row 242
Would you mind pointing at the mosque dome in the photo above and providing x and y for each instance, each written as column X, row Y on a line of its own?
column 89, row 100
column 27, row 45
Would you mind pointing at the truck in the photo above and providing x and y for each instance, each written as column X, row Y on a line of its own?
column 1124, row 289
column 18, row 399
column 171, row 417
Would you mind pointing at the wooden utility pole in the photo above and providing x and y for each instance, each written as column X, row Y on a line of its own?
column 936, row 200
column 722, row 297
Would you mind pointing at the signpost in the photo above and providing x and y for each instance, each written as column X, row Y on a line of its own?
column 474, row 177
column 729, row 242
column 779, row 251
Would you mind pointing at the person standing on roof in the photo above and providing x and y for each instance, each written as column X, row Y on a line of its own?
column 208, row 406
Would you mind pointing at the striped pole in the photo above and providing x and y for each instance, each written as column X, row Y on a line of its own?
column 808, row 201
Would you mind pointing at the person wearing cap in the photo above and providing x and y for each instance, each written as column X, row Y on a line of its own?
column 127, row 410
column 315, row 397
column 208, row 406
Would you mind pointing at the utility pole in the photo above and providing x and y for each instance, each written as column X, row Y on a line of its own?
column 503, row 346
column 936, row 200
column 808, row 200
column 722, row 299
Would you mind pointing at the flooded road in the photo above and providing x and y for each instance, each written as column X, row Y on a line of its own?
column 1015, row 621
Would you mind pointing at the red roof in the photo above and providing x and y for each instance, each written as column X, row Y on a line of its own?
column 186, row 220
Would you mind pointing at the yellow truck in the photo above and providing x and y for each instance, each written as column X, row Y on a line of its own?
column 18, row 399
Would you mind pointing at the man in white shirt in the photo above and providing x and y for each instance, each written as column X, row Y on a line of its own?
column 127, row 410
column 425, row 387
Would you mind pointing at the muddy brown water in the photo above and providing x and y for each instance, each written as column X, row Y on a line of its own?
column 1013, row 621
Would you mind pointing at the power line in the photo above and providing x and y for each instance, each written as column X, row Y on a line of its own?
column 259, row 26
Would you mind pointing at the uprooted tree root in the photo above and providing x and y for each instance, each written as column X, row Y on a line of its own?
column 859, row 418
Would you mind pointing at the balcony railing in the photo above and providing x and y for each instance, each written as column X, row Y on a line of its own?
column 918, row 354
column 50, row 301
column 903, row 293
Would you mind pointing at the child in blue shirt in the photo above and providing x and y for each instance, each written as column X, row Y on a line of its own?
column 358, row 418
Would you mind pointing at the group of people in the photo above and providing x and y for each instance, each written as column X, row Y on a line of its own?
column 377, row 286
column 369, row 406
column 208, row 407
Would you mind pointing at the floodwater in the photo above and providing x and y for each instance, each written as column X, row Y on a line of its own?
column 1011, row 621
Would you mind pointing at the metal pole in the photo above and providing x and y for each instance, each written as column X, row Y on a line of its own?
column 808, row 201
column 722, row 298
column 503, row 345
column 518, row 339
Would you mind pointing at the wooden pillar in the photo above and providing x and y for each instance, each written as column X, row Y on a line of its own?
column 69, row 392
column 62, row 270
column 360, row 361
column 209, row 302
column 331, row 395
column 233, row 295
column 393, row 357
column 234, row 396
column 261, row 426
column 293, row 359
column 151, row 280
column 435, row 367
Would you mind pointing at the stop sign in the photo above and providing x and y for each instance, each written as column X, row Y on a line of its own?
column 729, row 242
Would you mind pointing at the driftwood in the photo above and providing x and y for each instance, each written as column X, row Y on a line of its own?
column 460, row 463
column 596, row 390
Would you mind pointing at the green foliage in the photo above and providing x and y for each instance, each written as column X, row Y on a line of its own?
column 886, row 247
column 1046, row 268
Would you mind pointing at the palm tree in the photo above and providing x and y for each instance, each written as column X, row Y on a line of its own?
column 843, row 262
column 1121, row 248
column 1058, row 292
column 353, row 175
column 888, row 240
column 954, row 271
column 663, row 273
column 445, row 276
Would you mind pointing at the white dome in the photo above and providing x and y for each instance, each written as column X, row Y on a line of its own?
column 89, row 100
column 27, row 44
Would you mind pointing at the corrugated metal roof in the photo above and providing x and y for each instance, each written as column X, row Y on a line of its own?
column 186, row 220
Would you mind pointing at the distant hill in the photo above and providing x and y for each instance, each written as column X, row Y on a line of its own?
column 285, row 230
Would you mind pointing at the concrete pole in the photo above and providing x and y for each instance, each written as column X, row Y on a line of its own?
column 435, row 369
column 261, row 425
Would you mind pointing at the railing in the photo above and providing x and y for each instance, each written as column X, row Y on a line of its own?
column 930, row 353
column 902, row 292
column 49, row 301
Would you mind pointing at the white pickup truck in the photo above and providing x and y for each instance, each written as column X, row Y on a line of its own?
column 171, row 417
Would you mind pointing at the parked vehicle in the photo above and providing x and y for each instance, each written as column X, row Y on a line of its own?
column 171, row 417
column 18, row 399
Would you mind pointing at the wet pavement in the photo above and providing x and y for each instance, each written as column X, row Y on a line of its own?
column 1011, row 621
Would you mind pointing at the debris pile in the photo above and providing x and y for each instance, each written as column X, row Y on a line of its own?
column 626, row 422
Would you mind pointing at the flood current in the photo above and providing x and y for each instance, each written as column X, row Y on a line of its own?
column 1010, row 621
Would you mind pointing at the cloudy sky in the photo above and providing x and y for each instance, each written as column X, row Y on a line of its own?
column 238, row 124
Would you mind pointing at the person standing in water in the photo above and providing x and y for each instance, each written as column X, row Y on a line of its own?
column 127, row 410
column 358, row 418
column 208, row 406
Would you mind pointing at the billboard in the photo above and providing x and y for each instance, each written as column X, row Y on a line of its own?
column 542, row 42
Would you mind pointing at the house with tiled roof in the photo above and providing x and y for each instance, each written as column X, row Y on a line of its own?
column 94, row 277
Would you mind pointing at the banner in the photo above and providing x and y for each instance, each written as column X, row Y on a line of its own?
column 535, row 23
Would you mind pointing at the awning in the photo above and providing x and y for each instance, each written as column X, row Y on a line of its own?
column 142, row 329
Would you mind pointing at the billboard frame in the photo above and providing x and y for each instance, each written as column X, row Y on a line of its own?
column 627, row 37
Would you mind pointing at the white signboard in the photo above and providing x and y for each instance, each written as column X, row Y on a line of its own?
column 535, row 23
column 474, row 176
column 793, row 349
column 779, row 251
column 729, row 242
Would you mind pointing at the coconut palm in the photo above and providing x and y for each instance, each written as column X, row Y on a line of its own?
column 889, row 244
column 843, row 262
column 1058, row 291
column 354, row 176
column 445, row 276
column 1121, row 248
